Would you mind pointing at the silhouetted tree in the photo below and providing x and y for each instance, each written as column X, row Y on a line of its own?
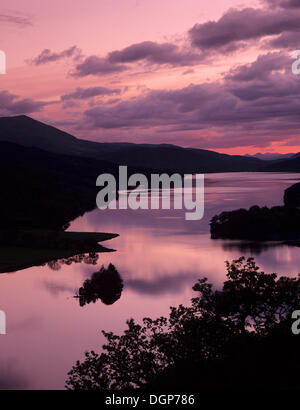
column 292, row 196
column 106, row 284
column 237, row 337
column 276, row 223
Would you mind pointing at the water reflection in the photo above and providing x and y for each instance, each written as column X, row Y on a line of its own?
column 253, row 248
column 14, row 259
column 159, row 255
column 89, row 259
column 162, row 284
column 10, row 377
column 106, row 285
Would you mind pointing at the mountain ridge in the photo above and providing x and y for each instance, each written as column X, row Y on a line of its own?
column 24, row 130
column 28, row 132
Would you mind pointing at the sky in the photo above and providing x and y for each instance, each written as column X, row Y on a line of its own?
column 214, row 75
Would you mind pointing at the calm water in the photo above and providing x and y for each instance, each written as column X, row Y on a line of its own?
column 159, row 256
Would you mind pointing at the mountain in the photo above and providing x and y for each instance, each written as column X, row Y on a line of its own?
column 44, row 190
column 28, row 132
column 284, row 165
column 43, row 168
column 186, row 160
column 270, row 156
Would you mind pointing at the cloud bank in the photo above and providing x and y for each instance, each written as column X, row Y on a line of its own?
column 11, row 104
column 48, row 56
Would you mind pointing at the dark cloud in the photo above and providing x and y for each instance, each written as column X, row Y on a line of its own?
column 148, row 52
column 288, row 4
column 154, row 53
column 253, row 104
column 238, row 26
column 189, row 71
column 85, row 93
column 161, row 108
column 113, row 101
column 235, row 30
column 16, row 19
column 278, row 87
column 11, row 104
column 94, row 65
column 284, row 41
column 67, row 104
column 277, row 25
column 261, row 68
column 258, row 100
column 47, row 56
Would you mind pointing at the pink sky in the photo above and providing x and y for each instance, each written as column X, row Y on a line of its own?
column 213, row 75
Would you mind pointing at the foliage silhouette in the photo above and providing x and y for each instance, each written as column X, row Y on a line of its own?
column 235, row 338
column 106, row 284
column 292, row 196
column 276, row 223
column 90, row 259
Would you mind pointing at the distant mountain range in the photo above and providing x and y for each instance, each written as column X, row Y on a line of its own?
column 270, row 156
column 28, row 132
column 43, row 168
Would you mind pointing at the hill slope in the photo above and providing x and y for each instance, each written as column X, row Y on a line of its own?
column 187, row 160
column 285, row 165
column 45, row 190
column 25, row 131
column 28, row 132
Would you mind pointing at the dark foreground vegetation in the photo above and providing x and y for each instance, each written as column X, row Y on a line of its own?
column 292, row 196
column 235, row 339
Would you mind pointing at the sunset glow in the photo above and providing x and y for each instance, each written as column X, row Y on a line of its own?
column 156, row 72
